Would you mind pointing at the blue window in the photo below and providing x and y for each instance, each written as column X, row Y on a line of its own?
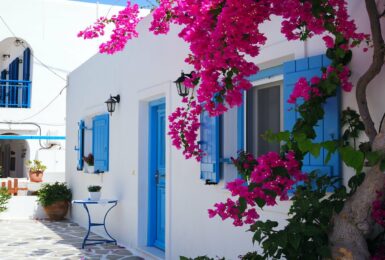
column 100, row 142
column 210, row 145
column 80, row 146
column 266, row 107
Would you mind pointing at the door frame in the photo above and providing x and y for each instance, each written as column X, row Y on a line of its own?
column 152, row 153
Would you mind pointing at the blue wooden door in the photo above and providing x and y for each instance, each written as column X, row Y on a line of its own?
column 157, row 174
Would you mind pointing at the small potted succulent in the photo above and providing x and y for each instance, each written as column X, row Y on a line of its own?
column 36, row 170
column 89, row 163
column 55, row 199
column 94, row 191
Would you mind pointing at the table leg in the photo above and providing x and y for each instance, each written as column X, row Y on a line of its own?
column 104, row 223
column 89, row 225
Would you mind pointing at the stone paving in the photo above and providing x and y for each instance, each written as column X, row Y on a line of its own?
column 32, row 239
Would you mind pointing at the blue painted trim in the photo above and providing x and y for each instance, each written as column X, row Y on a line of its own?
column 241, row 125
column 31, row 137
column 267, row 73
column 263, row 74
column 151, row 225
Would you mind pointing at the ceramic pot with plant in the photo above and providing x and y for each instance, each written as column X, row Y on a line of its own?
column 55, row 199
column 94, row 191
column 36, row 170
column 89, row 163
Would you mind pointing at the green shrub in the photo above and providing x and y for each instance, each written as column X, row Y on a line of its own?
column 51, row 193
column 4, row 197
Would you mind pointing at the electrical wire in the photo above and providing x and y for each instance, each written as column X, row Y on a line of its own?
column 44, row 65
column 33, row 55
column 46, row 106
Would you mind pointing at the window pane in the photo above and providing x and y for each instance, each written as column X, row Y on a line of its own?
column 263, row 113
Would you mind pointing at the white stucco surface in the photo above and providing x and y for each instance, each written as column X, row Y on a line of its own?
column 143, row 72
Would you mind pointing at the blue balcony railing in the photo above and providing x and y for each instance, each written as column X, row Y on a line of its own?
column 15, row 93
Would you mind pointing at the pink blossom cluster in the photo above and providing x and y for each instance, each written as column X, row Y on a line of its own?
column 342, row 74
column 378, row 209
column 95, row 30
column 184, row 126
column 303, row 90
column 125, row 29
column 273, row 176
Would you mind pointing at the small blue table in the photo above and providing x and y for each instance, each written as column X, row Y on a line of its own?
column 92, row 224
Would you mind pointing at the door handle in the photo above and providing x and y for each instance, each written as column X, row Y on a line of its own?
column 156, row 176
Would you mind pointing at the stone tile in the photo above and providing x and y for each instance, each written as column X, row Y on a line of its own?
column 52, row 240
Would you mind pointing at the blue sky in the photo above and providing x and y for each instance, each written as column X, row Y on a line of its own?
column 119, row 2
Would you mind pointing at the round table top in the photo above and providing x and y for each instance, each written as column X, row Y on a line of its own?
column 89, row 201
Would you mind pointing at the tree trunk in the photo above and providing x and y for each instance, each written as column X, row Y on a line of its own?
column 354, row 223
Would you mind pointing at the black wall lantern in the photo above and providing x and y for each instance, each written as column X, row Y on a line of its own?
column 111, row 103
column 180, row 86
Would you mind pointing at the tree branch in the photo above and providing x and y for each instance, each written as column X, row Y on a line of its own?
column 374, row 69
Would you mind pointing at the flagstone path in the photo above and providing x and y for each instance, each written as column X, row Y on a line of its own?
column 32, row 239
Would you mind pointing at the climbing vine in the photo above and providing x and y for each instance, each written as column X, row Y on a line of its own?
column 223, row 35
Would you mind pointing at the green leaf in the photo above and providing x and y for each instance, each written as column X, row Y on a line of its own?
column 382, row 165
column 373, row 158
column 315, row 149
column 324, row 251
column 260, row 202
column 353, row 158
column 242, row 204
column 282, row 239
column 294, row 240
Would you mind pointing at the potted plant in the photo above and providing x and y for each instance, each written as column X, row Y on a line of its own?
column 94, row 191
column 89, row 160
column 55, row 199
column 36, row 170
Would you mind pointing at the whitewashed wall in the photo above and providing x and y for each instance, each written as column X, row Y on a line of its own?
column 144, row 72
column 49, row 28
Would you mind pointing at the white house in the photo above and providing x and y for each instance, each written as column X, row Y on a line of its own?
column 162, row 198
column 38, row 48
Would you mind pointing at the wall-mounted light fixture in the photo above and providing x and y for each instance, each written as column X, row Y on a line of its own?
column 6, row 56
column 20, row 60
column 111, row 103
column 180, row 86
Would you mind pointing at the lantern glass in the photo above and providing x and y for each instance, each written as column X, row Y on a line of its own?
column 181, row 87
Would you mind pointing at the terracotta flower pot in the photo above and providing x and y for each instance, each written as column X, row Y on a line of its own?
column 36, row 176
column 57, row 210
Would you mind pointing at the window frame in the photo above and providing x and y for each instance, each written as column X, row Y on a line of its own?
column 263, row 84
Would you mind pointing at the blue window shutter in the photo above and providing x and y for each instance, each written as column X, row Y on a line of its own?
column 80, row 148
column 100, row 142
column 326, row 129
column 210, row 136
column 13, row 90
column 3, row 88
column 26, row 64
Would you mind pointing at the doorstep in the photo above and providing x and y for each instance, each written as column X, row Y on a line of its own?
column 151, row 253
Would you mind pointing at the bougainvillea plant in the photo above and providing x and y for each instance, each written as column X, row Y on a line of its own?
column 223, row 36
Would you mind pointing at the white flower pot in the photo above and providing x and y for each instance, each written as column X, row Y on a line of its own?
column 88, row 168
column 95, row 195
column 91, row 169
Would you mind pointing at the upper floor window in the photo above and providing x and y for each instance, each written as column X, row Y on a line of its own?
column 15, row 82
